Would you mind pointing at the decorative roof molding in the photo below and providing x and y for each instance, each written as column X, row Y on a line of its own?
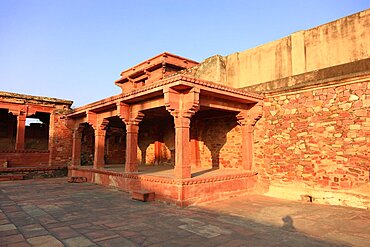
column 165, row 82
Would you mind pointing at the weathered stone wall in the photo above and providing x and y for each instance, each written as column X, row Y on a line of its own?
column 115, row 146
column 338, row 42
column 60, row 138
column 160, row 129
column 219, row 142
column 313, row 142
column 52, row 141
column 87, row 145
column 36, row 136
column 24, row 158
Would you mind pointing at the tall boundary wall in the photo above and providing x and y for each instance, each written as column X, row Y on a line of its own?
column 313, row 140
column 342, row 41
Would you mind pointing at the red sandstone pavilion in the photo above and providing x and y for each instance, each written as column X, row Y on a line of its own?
column 288, row 119
column 165, row 115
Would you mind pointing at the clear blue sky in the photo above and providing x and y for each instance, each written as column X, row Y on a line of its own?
column 75, row 49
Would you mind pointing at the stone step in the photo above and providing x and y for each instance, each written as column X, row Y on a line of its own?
column 10, row 177
column 143, row 195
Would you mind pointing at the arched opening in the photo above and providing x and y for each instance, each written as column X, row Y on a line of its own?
column 156, row 141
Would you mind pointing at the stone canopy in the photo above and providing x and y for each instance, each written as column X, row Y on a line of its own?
column 172, row 96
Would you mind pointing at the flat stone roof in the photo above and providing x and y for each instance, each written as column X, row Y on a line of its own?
column 36, row 98
column 191, row 81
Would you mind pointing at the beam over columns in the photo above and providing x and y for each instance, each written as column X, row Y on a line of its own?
column 182, row 105
column 247, row 119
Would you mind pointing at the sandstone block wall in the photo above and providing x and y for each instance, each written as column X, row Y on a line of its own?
column 60, row 138
column 219, row 143
column 47, row 144
column 314, row 142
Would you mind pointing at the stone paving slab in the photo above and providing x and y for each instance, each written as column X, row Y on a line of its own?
column 52, row 212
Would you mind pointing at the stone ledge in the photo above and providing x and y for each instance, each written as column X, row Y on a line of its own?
column 163, row 180
column 312, row 79
column 28, row 169
column 11, row 177
column 24, row 151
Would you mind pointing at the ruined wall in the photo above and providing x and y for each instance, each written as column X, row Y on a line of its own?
column 25, row 158
column 338, row 42
column 60, row 137
column 314, row 141
column 36, row 136
column 47, row 144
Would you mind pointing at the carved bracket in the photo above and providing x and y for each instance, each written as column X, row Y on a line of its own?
column 99, row 126
column 251, row 116
column 123, row 111
column 77, row 131
column 181, row 104
column 136, row 118
column 103, row 124
column 92, row 119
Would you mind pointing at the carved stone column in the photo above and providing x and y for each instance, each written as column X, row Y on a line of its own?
column 194, row 145
column 182, row 105
column 100, row 132
column 21, row 130
column 100, row 127
column 132, row 131
column 247, row 119
column 76, row 146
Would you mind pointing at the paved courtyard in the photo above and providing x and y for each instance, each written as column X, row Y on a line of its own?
column 52, row 212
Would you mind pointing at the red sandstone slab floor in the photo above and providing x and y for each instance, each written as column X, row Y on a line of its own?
column 52, row 212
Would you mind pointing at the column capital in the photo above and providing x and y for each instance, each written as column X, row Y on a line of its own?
column 101, row 127
column 135, row 118
column 21, row 116
column 77, row 131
